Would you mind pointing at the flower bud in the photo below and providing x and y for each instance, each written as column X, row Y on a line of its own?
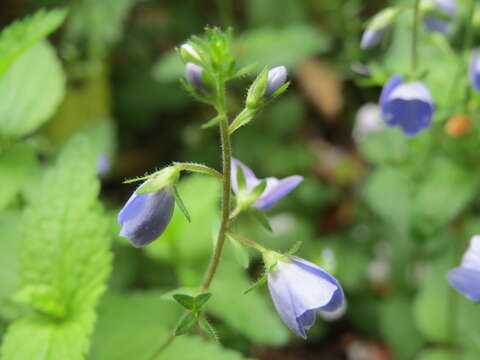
column 275, row 79
column 193, row 73
column 378, row 27
column 188, row 52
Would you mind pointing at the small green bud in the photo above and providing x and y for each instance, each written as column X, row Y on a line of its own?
column 257, row 90
column 383, row 19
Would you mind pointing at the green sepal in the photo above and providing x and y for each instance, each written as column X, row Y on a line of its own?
column 241, row 181
column 242, row 119
column 181, row 204
column 240, row 252
column 201, row 300
column 186, row 324
column 258, row 190
column 294, row 249
column 256, row 91
column 208, row 328
column 187, row 301
column 261, row 218
column 280, row 90
column 129, row 181
column 163, row 178
column 260, row 282
column 245, row 70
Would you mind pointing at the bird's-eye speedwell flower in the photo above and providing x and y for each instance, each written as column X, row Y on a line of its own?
column 275, row 188
column 475, row 69
column 466, row 277
column 300, row 289
column 145, row 217
column 432, row 21
column 407, row 105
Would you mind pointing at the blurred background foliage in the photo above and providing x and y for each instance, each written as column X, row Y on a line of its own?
column 387, row 215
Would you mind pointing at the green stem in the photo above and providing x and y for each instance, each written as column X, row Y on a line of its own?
column 415, row 38
column 217, row 251
column 247, row 242
column 199, row 168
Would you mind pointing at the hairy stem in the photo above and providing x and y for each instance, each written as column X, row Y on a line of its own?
column 415, row 38
column 217, row 251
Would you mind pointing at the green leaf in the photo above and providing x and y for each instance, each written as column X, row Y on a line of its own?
column 17, row 168
column 10, row 227
column 439, row 354
column 201, row 299
column 187, row 323
column 212, row 122
column 187, row 301
column 64, row 260
column 208, row 328
column 181, row 204
column 260, row 216
column 30, row 91
column 22, row 34
column 388, row 192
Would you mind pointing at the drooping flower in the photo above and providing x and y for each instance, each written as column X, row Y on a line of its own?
column 371, row 38
column 193, row 73
column 145, row 217
column 300, row 289
column 475, row 69
column 434, row 23
column 276, row 78
column 466, row 277
column 407, row 105
column 274, row 190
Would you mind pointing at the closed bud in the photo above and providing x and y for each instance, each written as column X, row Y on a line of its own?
column 378, row 27
column 276, row 78
column 458, row 125
column 193, row 73
column 188, row 53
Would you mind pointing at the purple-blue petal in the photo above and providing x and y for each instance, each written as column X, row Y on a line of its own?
column 475, row 69
column 466, row 281
column 371, row 38
column 276, row 192
column 193, row 73
column 433, row 23
column 390, row 85
column 250, row 177
column 411, row 115
column 145, row 217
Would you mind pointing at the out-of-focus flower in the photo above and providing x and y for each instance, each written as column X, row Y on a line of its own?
column 458, row 125
column 368, row 121
column 145, row 217
column 193, row 73
column 433, row 22
column 103, row 165
column 475, row 69
column 371, row 38
column 276, row 78
column 361, row 69
column 300, row 289
column 466, row 277
column 407, row 105
column 275, row 188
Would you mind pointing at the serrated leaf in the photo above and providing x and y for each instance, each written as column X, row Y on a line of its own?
column 201, row 299
column 22, row 34
column 187, row 301
column 64, row 260
column 208, row 328
column 261, row 218
column 30, row 91
column 187, row 323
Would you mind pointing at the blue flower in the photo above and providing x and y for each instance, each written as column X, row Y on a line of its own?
column 475, row 69
column 276, row 78
column 371, row 38
column 145, row 217
column 466, row 277
column 275, row 189
column 433, row 23
column 193, row 73
column 300, row 289
column 407, row 105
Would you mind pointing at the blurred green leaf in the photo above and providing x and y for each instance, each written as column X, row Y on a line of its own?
column 186, row 301
column 9, row 248
column 388, row 192
column 30, row 91
column 17, row 168
column 187, row 323
column 240, row 252
column 387, row 146
column 439, row 354
column 22, row 34
column 399, row 328
column 64, row 260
